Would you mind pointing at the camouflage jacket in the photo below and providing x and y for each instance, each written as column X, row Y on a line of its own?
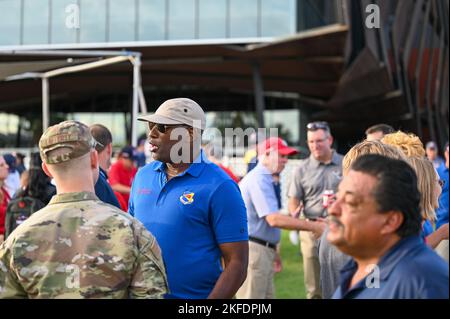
column 80, row 247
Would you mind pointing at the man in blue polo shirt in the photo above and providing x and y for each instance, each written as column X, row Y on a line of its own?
column 376, row 219
column 265, row 218
column 192, row 207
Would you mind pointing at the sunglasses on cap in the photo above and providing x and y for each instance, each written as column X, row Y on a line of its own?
column 97, row 145
column 314, row 126
column 162, row 128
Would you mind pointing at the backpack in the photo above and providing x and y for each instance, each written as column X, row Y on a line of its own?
column 19, row 209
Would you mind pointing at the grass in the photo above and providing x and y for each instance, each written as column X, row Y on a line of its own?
column 289, row 282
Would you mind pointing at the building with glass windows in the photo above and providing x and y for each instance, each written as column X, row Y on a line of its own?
column 55, row 22
column 249, row 63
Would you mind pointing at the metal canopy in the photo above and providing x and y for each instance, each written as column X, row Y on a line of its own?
column 308, row 66
column 9, row 69
column 115, row 58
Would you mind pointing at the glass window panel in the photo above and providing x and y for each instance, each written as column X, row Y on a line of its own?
column 63, row 30
column 115, row 122
column 212, row 19
column 122, row 20
column 35, row 21
column 152, row 20
column 181, row 19
column 243, row 18
column 287, row 122
column 278, row 17
column 93, row 21
column 8, row 123
column 9, row 22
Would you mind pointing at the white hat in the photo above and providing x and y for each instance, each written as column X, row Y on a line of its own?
column 178, row 111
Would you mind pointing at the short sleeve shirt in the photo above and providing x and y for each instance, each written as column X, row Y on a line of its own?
column 311, row 179
column 260, row 200
column 119, row 174
column 331, row 262
column 190, row 215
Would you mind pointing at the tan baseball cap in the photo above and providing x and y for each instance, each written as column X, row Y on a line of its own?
column 178, row 111
column 72, row 135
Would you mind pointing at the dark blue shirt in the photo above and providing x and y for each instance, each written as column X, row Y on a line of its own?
column 252, row 164
column 190, row 215
column 277, row 189
column 442, row 211
column 409, row 270
column 104, row 191
column 140, row 159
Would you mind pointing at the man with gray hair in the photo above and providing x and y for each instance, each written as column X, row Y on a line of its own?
column 265, row 220
column 78, row 246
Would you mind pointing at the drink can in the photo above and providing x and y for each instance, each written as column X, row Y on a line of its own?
column 327, row 198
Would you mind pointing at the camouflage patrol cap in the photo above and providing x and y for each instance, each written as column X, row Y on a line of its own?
column 72, row 135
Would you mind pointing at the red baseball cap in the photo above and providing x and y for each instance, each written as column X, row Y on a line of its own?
column 276, row 143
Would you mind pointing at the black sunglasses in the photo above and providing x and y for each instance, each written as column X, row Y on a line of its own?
column 314, row 126
column 162, row 128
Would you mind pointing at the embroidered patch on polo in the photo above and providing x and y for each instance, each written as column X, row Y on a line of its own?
column 187, row 198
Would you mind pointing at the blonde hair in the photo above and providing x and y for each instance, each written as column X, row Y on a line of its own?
column 370, row 147
column 426, row 183
column 410, row 144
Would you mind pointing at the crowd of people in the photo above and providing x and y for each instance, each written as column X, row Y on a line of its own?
column 372, row 223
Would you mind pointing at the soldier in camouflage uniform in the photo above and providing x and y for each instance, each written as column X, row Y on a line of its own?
column 78, row 246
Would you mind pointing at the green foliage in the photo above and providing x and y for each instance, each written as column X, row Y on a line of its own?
column 289, row 282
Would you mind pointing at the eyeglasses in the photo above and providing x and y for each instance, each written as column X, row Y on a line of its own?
column 314, row 126
column 441, row 182
column 162, row 128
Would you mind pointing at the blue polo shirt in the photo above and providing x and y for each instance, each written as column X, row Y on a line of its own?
column 104, row 191
column 427, row 229
column 442, row 211
column 190, row 216
column 409, row 270
column 261, row 200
